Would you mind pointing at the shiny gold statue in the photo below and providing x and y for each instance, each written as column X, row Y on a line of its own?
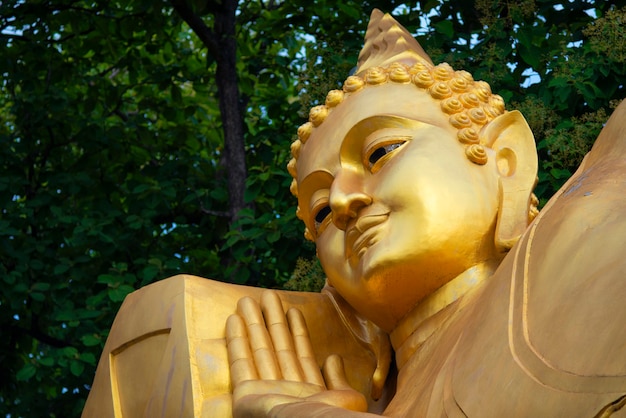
column 416, row 186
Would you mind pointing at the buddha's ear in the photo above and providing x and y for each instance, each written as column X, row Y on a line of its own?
column 516, row 159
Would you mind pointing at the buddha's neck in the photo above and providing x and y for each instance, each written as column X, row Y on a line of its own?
column 431, row 313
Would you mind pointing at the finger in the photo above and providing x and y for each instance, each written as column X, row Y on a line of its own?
column 281, row 336
column 340, row 392
column 304, row 350
column 240, row 358
column 260, row 342
column 334, row 373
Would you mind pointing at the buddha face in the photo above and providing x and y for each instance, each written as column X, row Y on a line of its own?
column 395, row 207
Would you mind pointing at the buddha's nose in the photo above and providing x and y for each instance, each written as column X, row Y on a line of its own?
column 346, row 198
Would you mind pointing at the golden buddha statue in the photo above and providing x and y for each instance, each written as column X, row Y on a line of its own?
column 416, row 186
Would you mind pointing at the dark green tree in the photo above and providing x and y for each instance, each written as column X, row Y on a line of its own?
column 142, row 139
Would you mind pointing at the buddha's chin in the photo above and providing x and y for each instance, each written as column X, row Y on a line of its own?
column 380, row 262
column 400, row 282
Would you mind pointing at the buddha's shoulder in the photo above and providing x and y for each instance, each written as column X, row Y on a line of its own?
column 567, row 281
column 546, row 334
column 568, row 278
column 547, row 331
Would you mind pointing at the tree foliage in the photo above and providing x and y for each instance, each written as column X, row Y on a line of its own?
column 115, row 158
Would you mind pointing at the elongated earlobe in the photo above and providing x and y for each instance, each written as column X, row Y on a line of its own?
column 516, row 158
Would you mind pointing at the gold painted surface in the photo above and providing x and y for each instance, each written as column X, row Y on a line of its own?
column 192, row 377
column 416, row 186
column 137, row 357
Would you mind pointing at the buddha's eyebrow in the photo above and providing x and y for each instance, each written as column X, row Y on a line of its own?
column 316, row 180
column 366, row 127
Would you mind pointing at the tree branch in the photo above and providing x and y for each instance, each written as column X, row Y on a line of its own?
column 46, row 339
column 219, row 213
column 14, row 36
column 194, row 21
column 37, row 334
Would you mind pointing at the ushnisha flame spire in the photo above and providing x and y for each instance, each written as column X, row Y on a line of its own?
column 386, row 41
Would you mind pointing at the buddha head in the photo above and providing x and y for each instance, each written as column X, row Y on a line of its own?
column 409, row 176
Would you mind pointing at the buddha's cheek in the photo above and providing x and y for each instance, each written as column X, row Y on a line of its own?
column 331, row 252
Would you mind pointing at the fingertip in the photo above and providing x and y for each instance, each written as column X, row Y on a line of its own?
column 272, row 308
column 296, row 321
column 333, row 362
column 334, row 373
column 294, row 311
column 245, row 302
column 235, row 327
column 270, row 297
column 249, row 310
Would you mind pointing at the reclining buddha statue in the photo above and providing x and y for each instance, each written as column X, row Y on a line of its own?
column 447, row 293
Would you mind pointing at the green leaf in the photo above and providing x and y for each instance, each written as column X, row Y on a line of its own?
column 77, row 368
column 36, row 264
column 40, row 287
column 156, row 262
column 231, row 241
column 39, row 297
column 272, row 188
column 117, row 294
column 351, row 11
column 273, row 237
column 91, row 340
column 61, row 268
column 88, row 358
column 251, row 193
column 141, row 188
column 558, row 82
column 10, row 278
column 445, row 27
column 70, row 352
column 149, row 273
column 530, row 56
column 242, row 275
column 108, row 279
column 26, row 372
column 176, row 96
column 559, row 173
column 46, row 361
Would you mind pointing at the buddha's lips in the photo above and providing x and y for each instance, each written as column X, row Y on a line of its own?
column 356, row 237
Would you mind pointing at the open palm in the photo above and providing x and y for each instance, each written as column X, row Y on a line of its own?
column 273, row 367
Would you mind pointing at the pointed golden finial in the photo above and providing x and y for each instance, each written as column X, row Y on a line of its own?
column 387, row 41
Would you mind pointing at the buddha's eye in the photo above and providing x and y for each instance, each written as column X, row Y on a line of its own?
column 319, row 210
column 321, row 216
column 378, row 154
column 382, row 151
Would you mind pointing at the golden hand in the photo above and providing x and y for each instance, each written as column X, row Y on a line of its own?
column 273, row 368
